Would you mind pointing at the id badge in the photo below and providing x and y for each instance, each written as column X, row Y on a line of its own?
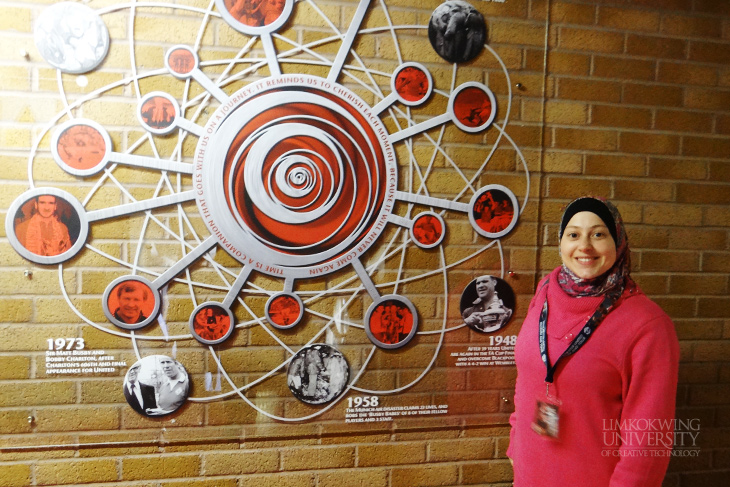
column 547, row 419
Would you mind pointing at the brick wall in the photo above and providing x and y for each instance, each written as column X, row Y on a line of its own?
column 633, row 104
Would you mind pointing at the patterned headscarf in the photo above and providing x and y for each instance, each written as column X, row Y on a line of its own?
column 617, row 277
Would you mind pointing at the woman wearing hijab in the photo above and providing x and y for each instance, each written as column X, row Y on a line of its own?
column 596, row 367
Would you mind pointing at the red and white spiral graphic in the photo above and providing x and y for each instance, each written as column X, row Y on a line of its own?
column 295, row 175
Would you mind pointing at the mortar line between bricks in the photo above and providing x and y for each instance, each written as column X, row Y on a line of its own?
column 228, row 439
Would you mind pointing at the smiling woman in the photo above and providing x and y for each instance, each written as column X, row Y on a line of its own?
column 579, row 383
column 586, row 246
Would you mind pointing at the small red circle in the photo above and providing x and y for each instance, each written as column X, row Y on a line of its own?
column 427, row 229
column 412, row 84
column 391, row 322
column 81, row 147
column 181, row 61
column 158, row 112
column 211, row 323
column 284, row 311
column 472, row 107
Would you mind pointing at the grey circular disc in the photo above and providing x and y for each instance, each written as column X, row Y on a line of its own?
column 71, row 37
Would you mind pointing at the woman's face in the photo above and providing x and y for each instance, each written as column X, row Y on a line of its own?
column 587, row 247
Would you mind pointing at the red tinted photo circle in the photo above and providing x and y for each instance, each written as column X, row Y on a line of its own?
column 391, row 322
column 211, row 323
column 428, row 230
column 131, row 302
column 81, row 147
column 473, row 107
column 158, row 113
column 412, row 84
column 284, row 310
column 181, row 61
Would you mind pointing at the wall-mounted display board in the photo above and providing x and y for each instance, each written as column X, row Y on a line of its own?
column 290, row 210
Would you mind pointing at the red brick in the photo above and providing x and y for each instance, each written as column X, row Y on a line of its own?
column 712, row 7
column 642, row 190
column 426, row 476
column 563, row 162
column 463, row 449
column 514, row 9
column 583, row 139
column 697, row 239
column 534, row 59
column 714, row 307
column 712, row 194
column 698, row 284
column 717, row 147
column 511, row 32
column 665, row 5
column 568, row 63
column 619, row 116
column 687, row 74
column 164, row 466
column 708, row 99
column 677, row 307
column 589, row 90
column 615, row 165
column 570, row 188
column 497, row 378
column 565, row 112
column 716, row 261
column 651, row 284
column 683, row 121
column 685, row 26
column 305, row 479
column 677, row 168
column 709, row 52
column 666, row 261
column 704, row 395
column 653, row 95
column 487, row 472
column 590, row 40
column 649, row 143
column 723, row 124
column 717, row 216
column 719, row 171
column 655, row 47
column 622, row 68
column 673, row 215
column 390, row 454
column 572, row 13
column 628, row 19
column 241, row 462
column 698, row 330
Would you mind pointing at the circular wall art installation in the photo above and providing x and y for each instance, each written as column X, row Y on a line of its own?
column 277, row 210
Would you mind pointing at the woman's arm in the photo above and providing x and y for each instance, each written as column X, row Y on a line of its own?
column 646, row 425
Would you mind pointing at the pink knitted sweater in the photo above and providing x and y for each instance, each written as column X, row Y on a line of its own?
column 617, row 394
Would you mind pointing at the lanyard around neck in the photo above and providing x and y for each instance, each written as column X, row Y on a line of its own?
column 607, row 304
